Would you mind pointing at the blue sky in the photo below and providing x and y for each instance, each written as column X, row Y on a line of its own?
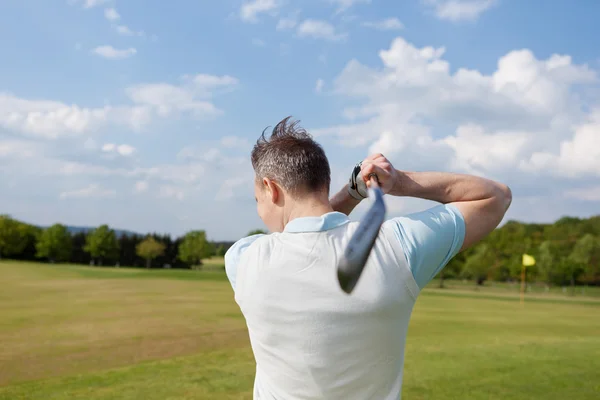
column 141, row 114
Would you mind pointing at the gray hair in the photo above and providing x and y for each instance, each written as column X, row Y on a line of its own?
column 291, row 158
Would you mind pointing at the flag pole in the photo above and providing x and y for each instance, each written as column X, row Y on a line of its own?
column 523, row 284
column 528, row 261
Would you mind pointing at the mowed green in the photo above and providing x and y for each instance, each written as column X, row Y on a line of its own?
column 69, row 332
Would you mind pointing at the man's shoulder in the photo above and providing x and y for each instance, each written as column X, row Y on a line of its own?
column 234, row 254
column 432, row 213
column 427, row 239
column 439, row 220
column 243, row 244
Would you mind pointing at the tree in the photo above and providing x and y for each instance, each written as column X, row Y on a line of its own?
column 585, row 251
column 592, row 270
column 101, row 244
column 31, row 236
column 478, row 264
column 12, row 236
column 194, row 248
column 220, row 251
column 79, row 255
column 149, row 249
column 452, row 270
column 128, row 250
column 546, row 262
column 55, row 243
column 256, row 232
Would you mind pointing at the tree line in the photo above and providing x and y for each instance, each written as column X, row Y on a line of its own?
column 567, row 252
column 103, row 246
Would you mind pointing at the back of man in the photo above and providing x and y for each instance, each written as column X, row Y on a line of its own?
column 310, row 339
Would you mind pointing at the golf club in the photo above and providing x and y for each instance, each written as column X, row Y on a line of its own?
column 359, row 247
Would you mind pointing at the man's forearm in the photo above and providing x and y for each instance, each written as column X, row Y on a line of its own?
column 343, row 202
column 447, row 187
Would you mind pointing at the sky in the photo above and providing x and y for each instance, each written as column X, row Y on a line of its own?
column 141, row 114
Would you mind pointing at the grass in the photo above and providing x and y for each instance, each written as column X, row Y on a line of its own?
column 535, row 289
column 71, row 332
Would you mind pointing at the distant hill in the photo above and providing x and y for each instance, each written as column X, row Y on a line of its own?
column 85, row 229
column 73, row 230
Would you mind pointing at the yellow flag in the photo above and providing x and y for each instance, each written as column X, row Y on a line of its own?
column 528, row 260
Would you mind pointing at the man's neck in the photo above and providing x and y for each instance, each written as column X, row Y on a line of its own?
column 312, row 207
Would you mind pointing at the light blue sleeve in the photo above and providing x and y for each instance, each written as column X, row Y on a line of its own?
column 429, row 239
column 233, row 255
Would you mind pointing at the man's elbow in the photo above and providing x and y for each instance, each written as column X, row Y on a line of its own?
column 504, row 197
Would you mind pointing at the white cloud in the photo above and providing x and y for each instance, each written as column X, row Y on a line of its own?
column 141, row 187
column 17, row 149
column 460, row 10
column 477, row 150
column 91, row 191
column 577, row 156
column 94, row 3
column 586, row 193
column 171, row 192
column 166, row 98
column 89, row 3
column 90, row 144
column 250, row 10
column 54, row 119
column 289, row 22
column 111, row 14
column 235, row 142
column 388, row 24
column 525, row 123
column 285, row 24
column 114, row 54
column 319, row 85
column 166, row 191
column 214, row 156
column 189, row 173
column 109, row 147
column 348, row 18
column 229, row 187
column 343, row 5
column 193, row 96
column 258, row 42
column 318, row 29
column 48, row 119
column 125, row 31
column 124, row 150
column 206, row 81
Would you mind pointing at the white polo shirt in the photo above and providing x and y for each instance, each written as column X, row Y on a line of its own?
column 310, row 339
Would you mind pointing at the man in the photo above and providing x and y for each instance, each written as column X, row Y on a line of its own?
column 310, row 339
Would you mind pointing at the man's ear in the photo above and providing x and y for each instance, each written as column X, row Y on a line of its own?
column 272, row 189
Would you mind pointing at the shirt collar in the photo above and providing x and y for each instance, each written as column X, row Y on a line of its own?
column 317, row 224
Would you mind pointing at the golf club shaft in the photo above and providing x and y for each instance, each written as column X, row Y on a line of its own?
column 359, row 247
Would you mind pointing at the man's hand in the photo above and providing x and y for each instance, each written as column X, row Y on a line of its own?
column 383, row 169
column 356, row 190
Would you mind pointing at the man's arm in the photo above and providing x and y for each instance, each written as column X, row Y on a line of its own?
column 472, row 207
column 343, row 202
column 482, row 202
